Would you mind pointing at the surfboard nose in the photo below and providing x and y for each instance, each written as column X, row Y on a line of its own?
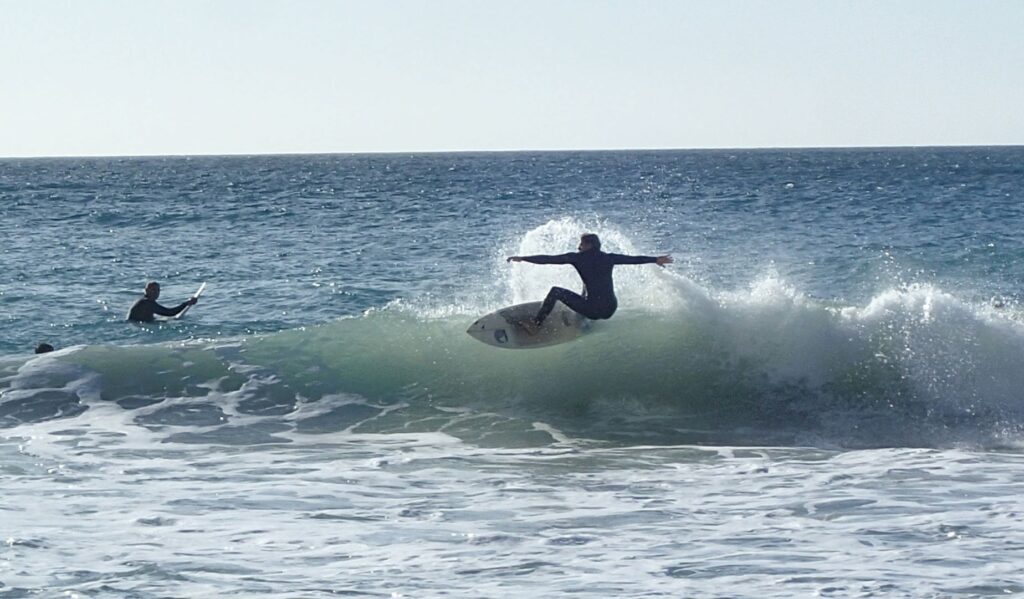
column 486, row 332
column 477, row 326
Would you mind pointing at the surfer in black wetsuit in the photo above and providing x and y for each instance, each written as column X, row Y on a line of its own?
column 598, row 301
column 146, row 307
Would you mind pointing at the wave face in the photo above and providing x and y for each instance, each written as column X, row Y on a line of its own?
column 680, row 363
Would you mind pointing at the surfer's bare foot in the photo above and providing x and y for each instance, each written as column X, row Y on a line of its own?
column 530, row 325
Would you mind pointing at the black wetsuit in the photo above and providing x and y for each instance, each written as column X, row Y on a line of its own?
column 145, row 309
column 598, row 301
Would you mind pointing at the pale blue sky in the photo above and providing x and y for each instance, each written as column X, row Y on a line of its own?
column 223, row 76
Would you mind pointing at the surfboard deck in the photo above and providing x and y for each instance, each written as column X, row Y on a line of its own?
column 198, row 292
column 503, row 328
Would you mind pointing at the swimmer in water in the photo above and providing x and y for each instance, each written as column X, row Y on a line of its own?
column 146, row 307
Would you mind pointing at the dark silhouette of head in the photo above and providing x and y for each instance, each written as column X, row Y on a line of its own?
column 44, row 348
column 152, row 290
column 590, row 241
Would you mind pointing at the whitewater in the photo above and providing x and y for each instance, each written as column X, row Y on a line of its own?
column 822, row 397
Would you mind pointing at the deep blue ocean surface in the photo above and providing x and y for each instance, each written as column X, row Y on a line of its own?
column 824, row 395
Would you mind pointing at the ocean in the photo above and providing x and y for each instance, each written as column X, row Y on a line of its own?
column 823, row 396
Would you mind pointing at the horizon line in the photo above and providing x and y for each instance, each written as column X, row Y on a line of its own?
column 510, row 151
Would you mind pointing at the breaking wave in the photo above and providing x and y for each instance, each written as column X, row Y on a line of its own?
column 680, row 363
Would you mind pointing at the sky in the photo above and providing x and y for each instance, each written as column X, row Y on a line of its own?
column 155, row 77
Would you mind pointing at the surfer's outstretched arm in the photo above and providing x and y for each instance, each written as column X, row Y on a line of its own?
column 164, row 311
column 544, row 259
column 624, row 259
column 145, row 309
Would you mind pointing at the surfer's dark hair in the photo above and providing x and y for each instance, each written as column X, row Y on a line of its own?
column 591, row 239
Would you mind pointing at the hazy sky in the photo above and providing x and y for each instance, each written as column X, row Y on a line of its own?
column 224, row 76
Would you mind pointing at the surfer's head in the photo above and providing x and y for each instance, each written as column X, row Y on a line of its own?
column 44, row 348
column 152, row 290
column 589, row 241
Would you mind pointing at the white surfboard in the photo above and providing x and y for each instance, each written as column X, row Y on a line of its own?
column 503, row 328
column 198, row 292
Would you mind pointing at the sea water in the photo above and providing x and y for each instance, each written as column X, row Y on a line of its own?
column 823, row 396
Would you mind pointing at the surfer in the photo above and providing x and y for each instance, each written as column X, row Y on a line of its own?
column 598, row 301
column 146, row 307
